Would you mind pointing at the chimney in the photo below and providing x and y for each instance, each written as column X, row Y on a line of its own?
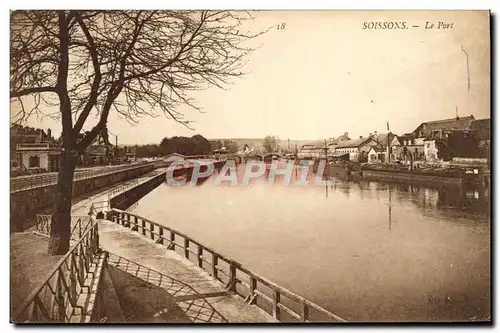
column 361, row 137
column 49, row 133
column 346, row 134
column 376, row 133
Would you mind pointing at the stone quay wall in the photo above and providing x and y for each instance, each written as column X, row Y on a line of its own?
column 26, row 203
column 131, row 195
column 413, row 178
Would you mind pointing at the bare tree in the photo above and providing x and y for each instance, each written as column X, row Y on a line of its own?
column 133, row 63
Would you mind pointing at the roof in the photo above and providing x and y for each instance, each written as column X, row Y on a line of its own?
column 480, row 124
column 338, row 154
column 377, row 149
column 381, row 138
column 354, row 143
column 459, row 123
column 341, row 138
column 174, row 154
column 344, row 137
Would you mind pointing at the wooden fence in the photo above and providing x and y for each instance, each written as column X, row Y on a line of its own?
column 65, row 293
column 281, row 303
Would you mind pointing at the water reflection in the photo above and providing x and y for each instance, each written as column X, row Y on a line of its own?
column 363, row 249
column 448, row 199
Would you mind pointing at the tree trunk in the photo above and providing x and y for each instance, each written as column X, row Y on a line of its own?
column 61, row 214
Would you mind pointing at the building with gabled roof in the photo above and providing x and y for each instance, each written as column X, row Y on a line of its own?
column 482, row 128
column 357, row 149
column 432, row 128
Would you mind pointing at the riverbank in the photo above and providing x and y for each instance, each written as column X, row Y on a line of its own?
column 424, row 175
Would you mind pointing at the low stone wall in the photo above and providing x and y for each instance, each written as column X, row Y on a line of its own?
column 127, row 198
column 25, row 203
column 408, row 178
column 130, row 196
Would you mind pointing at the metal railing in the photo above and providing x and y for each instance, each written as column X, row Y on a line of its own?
column 282, row 304
column 122, row 187
column 78, row 225
column 25, row 182
column 57, row 299
column 36, row 146
column 99, row 206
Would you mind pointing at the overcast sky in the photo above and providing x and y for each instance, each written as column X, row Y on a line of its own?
column 324, row 75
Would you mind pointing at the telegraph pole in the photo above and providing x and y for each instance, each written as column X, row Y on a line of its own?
column 325, row 170
column 388, row 143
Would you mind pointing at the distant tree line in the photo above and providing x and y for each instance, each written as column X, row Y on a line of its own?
column 195, row 145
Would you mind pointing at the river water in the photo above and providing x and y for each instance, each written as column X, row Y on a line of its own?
column 367, row 251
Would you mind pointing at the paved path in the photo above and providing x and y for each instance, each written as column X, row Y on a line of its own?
column 29, row 266
column 81, row 208
column 199, row 295
column 44, row 179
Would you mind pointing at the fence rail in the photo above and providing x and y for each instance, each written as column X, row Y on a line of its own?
column 122, row 187
column 20, row 183
column 57, row 299
column 281, row 303
column 78, row 225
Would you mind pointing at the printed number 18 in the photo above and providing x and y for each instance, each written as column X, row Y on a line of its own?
column 281, row 26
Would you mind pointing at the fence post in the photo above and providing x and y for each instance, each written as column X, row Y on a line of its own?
column 200, row 255
column 215, row 261
column 59, row 298
column 172, row 241
column 143, row 227
column 72, row 292
column 276, row 300
column 253, row 286
column 136, row 225
column 128, row 220
column 231, row 285
column 79, row 228
column 152, row 230
column 305, row 312
column 186, row 247
column 96, row 230
column 160, row 240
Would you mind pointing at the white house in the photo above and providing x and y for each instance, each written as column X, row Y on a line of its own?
column 39, row 155
column 377, row 155
column 390, row 142
column 357, row 149
column 311, row 151
column 430, row 150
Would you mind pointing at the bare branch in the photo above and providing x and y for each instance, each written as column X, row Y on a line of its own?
column 30, row 91
column 131, row 63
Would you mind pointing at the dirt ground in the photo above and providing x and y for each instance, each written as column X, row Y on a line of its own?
column 29, row 265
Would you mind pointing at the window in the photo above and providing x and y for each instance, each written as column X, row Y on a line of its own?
column 34, row 161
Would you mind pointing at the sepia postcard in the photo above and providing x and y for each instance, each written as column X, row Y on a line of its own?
column 250, row 166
